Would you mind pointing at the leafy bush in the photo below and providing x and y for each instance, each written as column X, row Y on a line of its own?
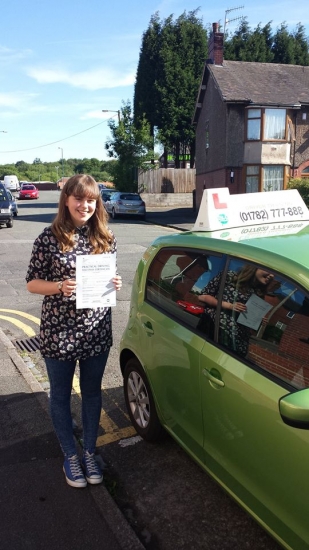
column 302, row 186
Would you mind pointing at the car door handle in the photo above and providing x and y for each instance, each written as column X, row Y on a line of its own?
column 213, row 378
column 148, row 327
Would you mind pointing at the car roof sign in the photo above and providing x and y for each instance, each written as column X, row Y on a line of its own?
column 220, row 210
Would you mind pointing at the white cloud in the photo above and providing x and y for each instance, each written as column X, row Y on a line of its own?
column 15, row 100
column 95, row 79
column 8, row 55
column 96, row 114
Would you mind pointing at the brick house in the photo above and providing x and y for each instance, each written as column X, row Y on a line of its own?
column 252, row 123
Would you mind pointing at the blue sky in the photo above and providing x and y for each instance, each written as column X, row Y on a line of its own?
column 63, row 62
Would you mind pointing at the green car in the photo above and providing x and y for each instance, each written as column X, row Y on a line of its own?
column 216, row 352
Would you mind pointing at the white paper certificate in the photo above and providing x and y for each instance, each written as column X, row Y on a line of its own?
column 256, row 310
column 94, row 274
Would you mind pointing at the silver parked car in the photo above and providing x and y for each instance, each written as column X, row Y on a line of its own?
column 121, row 203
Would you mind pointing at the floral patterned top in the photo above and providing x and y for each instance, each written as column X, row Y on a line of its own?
column 231, row 334
column 67, row 332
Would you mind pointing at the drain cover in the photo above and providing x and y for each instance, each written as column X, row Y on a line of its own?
column 28, row 344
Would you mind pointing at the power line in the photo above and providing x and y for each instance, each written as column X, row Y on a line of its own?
column 54, row 142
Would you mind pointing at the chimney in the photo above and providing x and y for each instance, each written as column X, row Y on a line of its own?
column 215, row 46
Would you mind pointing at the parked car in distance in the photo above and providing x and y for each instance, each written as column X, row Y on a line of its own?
column 11, row 183
column 106, row 194
column 28, row 191
column 13, row 203
column 121, row 203
column 216, row 351
column 6, row 212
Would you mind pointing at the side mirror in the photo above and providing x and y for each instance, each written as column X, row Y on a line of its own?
column 294, row 409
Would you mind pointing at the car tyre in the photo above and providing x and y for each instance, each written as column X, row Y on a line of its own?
column 140, row 403
column 114, row 215
column 10, row 223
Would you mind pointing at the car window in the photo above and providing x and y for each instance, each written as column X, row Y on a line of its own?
column 175, row 281
column 130, row 197
column 264, row 318
column 3, row 195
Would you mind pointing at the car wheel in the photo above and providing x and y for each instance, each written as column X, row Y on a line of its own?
column 10, row 223
column 114, row 215
column 140, row 403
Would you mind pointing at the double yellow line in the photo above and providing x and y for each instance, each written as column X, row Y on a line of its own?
column 112, row 431
column 23, row 326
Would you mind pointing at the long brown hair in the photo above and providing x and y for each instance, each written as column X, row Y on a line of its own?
column 100, row 237
column 245, row 279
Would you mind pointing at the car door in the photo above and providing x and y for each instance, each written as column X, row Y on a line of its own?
column 172, row 342
column 258, row 457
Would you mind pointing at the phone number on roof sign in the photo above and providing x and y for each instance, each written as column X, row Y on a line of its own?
column 271, row 214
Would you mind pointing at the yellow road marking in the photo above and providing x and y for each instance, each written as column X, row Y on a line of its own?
column 122, row 433
column 27, row 330
column 22, row 314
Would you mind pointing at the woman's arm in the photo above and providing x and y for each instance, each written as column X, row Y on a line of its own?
column 212, row 302
column 46, row 288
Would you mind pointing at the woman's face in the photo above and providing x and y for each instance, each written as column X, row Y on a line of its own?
column 81, row 209
column 263, row 277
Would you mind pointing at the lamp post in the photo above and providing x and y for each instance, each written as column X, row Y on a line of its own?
column 61, row 163
column 109, row 111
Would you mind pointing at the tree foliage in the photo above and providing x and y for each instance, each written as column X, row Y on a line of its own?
column 52, row 171
column 261, row 45
column 132, row 145
column 170, row 66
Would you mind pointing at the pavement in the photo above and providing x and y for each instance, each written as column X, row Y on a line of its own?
column 38, row 510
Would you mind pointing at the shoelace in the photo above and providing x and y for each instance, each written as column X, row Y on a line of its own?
column 75, row 466
column 91, row 464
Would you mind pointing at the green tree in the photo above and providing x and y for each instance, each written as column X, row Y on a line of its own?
column 168, row 77
column 301, row 48
column 284, row 46
column 262, row 46
column 146, row 99
column 133, row 147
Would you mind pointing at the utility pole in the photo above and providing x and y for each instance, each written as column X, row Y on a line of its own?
column 61, row 163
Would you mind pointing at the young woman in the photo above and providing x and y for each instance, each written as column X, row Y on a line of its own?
column 67, row 334
column 237, row 291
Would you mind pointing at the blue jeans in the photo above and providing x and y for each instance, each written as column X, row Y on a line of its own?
column 60, row 374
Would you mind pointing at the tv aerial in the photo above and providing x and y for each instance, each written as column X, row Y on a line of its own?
column 227, row 20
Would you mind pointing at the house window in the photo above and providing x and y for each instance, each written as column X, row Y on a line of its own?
column 264, row 178
column 252, row 179
column 254, row 124
column 273, row 127
column 272, row 178
column 305, row 172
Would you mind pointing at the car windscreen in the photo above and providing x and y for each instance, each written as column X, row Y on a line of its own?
column 28, row 188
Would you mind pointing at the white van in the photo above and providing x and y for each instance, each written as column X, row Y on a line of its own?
column 11, row 183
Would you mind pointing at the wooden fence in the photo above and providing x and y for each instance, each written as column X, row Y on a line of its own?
column 167, row 180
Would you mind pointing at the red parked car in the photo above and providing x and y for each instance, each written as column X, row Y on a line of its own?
column 29, row 191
